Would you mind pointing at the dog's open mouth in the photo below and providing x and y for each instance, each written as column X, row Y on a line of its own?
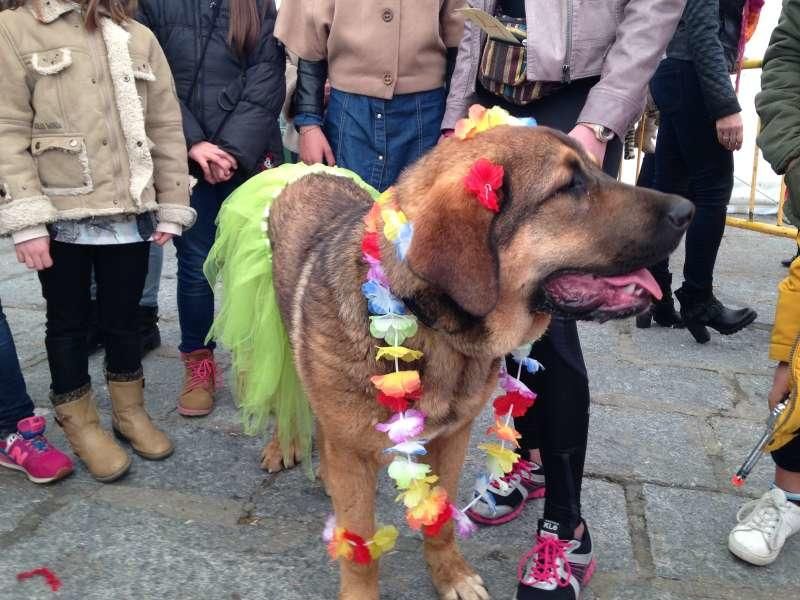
column 593, row 297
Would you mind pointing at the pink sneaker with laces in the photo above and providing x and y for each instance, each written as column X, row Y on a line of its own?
column 557, row 567
column 30, row 452
column 200, row 381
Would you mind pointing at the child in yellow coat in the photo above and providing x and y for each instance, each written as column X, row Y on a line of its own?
column 766, row 523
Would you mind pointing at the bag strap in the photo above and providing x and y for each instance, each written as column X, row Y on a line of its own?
column 217, row 6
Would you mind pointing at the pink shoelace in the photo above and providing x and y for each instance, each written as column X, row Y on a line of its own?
column 203, row 374
column 549, row 552
column 519, row 467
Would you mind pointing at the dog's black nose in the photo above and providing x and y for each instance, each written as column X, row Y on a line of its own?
column 680, row 213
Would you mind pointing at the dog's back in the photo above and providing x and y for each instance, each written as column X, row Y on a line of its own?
column 311, row 216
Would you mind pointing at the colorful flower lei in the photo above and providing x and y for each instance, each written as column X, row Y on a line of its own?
column 428, row 507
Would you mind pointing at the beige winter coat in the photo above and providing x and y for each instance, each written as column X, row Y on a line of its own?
column 89, row 123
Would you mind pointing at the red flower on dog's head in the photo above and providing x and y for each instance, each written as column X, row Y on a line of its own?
column 484, row 180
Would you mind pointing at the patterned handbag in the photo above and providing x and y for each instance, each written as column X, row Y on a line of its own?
column 502, row 67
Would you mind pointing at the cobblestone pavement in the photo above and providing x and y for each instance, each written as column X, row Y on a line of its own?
column 671, row 420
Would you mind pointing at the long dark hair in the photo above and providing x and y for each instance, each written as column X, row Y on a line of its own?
column 118, row 10
column 245, row 25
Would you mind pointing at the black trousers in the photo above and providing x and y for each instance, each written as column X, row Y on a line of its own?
column 690, row 161
column 120, row 271
column 558, row 423
column 788, row 457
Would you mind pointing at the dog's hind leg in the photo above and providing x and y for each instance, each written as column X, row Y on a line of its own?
column 452, row 576
column 351, row 480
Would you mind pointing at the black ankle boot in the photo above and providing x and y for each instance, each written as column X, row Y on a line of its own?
column 149, row 336
column 701, row 309
column 663, row 311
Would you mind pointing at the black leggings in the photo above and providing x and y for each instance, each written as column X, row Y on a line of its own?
column 788, row 457
column 120, row 271
column 558, row 423
column 690, row 161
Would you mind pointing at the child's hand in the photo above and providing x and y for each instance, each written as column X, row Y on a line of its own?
column 780, row 385
column 35, row 253
column 161, row 237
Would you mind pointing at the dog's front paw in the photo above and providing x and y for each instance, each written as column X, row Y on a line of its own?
column 272, row 459
column 468, row 587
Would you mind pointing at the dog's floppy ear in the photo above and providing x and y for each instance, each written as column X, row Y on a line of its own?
column 451, row 247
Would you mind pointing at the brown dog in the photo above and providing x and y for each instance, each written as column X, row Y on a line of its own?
column 480, row 283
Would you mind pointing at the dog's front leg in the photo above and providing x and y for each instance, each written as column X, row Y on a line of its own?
column 350, row 478
column 452, row 576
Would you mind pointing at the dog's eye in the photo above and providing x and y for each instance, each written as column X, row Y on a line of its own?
column 576, row 186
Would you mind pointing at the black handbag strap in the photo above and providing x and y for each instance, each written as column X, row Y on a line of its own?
column 217, row 6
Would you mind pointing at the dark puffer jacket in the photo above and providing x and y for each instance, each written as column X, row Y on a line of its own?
column 236, row 102
column 708, row 35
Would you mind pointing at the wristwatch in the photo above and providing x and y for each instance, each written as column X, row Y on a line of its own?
column 601, row 132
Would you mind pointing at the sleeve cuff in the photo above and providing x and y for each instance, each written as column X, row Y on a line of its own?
column 306, row 119
column 29, row 233
column 168, row 227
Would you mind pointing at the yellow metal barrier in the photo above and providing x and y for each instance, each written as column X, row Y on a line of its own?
column 779, row 228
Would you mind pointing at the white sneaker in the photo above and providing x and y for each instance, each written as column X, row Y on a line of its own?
column 764, row 525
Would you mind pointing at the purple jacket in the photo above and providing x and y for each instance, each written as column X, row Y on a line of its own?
column 620, row 40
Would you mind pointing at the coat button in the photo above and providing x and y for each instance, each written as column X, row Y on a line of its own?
column 388, row 15
column 73, row 143
column 388, row 79
column 38, row 145
column 105, row 142
column 125, row 78
column 139, row 144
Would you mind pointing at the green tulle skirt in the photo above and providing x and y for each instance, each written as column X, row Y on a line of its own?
column 239, row 265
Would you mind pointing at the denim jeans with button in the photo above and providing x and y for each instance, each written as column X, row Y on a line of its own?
column 15, row 404
column 379, row 138
column 195, row 296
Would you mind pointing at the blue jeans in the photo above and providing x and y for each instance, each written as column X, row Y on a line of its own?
column 379, row 138
column 152, row 283
column 195, row 296
column 690, row 161
column 15, row 404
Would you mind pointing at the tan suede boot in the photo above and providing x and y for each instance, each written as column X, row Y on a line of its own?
column 132, row 423
column 103, row 457
column 200, row 380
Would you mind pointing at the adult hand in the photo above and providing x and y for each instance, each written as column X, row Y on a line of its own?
column 780, row 384
column 594, row 147
column 161, row 237
column 207, row 154
column 730, row 131
column 35, row 253
column 314, row 147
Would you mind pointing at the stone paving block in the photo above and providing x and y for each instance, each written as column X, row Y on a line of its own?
column 755, row 388
column 688, row 536
column 18, row 498
column 737, row 438
column 656, row 387
column 27, row 328
column 649, row 446
column 745, row 351
column 103, row 552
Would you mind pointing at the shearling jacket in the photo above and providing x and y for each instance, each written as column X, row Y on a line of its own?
column 620, row 40
column 89, row 122
column 778, row 106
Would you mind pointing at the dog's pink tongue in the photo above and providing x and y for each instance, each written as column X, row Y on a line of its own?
column 642, row 278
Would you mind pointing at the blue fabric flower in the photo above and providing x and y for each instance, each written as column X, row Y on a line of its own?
column 380, row 300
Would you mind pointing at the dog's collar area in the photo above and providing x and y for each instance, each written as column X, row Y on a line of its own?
column 393, row 321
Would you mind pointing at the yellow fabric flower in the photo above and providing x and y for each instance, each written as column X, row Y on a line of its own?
column 499, row 460
column 401, row 352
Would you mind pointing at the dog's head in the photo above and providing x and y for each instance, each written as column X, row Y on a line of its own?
column 567, row 239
